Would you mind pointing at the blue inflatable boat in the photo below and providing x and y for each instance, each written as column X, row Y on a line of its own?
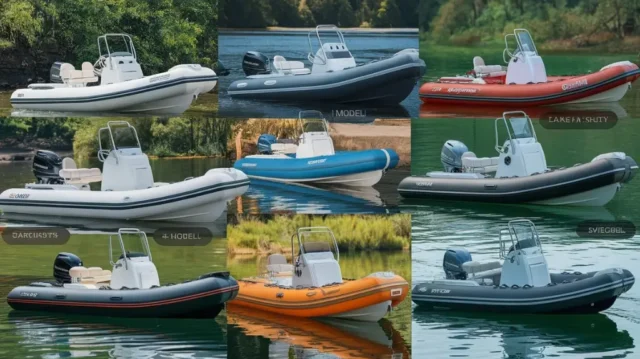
column 313, row 159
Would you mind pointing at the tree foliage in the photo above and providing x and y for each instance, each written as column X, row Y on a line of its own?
column 166, row 32
column 301, row 13
column 584, row 22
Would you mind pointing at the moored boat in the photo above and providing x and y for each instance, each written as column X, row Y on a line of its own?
column 116, row 84
column 334, row 76
column 131, row 289
column 313, row 286
column 128, row 190
column 519, row 174
column 313, row 159
column 522, row 283
column 524, row 82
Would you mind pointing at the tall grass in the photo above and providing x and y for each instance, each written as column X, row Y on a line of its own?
column 262, row 235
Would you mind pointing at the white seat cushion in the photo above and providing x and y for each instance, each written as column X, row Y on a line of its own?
column 487, row 269
column 284, row 147
column 292, row 67
column 82, row 175
column 479, row 164
column 487, row 69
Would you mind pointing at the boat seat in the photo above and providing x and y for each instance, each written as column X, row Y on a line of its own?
column 290, row 67
column 482, row 70
column 72, row 76
column 91, row 275
column 277, row 264
column 479, row 164
column 284, row 147
column 72, row 174
column 480, row 270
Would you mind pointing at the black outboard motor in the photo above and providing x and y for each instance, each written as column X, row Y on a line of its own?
column 65, row 261
column 452, row 263
column 46, row 167
column 255, row 63
column 264, row 143
column 451, row 155
column 54, row 73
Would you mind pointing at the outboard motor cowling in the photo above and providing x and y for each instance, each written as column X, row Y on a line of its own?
column 54, row 72
column 451, row 155
column 264, row 143
column 46, row 167
column 65, row 261
column 255, row 63
column 452, row 263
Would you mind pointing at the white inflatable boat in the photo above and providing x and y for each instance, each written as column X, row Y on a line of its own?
column 115, row 83
column 128, row 191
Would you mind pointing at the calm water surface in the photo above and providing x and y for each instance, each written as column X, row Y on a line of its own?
column 262, row 196
column 295, row 46
column 259, row 335
column 42, row 335
column 438, row 225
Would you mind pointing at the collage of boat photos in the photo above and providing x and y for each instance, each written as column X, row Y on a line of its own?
column 301, row 179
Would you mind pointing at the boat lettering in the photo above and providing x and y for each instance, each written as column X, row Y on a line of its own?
column 159, row 78
column 315, row 162
column 270, row 82
column 424, row 184
column 441, row 291
column 249, row 165
column 19, row 195
column 578, row 119
column 462, row 90
column 28, row 294
column 436, row 89
column 241, row 85
column 579, row 83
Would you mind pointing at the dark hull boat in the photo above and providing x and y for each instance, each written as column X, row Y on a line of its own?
column 131, row 290
column 521, row 284
column 519, row 173
column 334, row 75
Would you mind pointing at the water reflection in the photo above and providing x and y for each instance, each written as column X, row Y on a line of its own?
column 256, row 334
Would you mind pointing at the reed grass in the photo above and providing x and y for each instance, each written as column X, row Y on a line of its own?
column 264, row 235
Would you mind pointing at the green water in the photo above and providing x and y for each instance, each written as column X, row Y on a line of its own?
column 438, row 225
column 353, row 265
column 30, row 335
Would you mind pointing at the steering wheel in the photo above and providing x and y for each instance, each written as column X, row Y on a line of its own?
column 100, row 63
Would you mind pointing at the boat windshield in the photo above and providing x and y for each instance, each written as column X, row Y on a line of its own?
column 312, row 121
column 522, row 234
column 129, row 241
column 115, row 45
column 525, row 42
column 520, row 127
column 316, row 239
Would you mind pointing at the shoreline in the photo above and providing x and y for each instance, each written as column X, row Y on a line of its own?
column 305, row 30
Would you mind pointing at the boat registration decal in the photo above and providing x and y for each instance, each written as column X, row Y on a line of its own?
column 159, row 78
column 462, row 90
column 441, row 291
column 19, row 195
column 424, row 184
column 270, row 82
column 249, row 164
column 28, row 294
column 241, row 85
column 575, row 84
column 315, row 162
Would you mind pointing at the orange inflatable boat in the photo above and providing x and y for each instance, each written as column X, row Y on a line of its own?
column 313, row 286
column 524, row 82
column 340, row 338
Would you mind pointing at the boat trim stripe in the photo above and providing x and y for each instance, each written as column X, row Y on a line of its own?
column 126, row 305
column 122, row 206
column 536, row 98
column 109, row 96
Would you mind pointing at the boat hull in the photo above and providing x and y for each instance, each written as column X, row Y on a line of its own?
column 607, row 85
column 191, row 200
column 571, row 293
column 204, row 297
column 388, row 81
column 358, row 168
column 171, row 92
column 591, row 184
column 356, row 300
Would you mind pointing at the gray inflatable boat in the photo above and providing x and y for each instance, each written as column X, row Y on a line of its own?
column 519, row 174
column 521, row 284
column 334, row 75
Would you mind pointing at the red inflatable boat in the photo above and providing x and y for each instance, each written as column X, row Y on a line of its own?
column 524, row 81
